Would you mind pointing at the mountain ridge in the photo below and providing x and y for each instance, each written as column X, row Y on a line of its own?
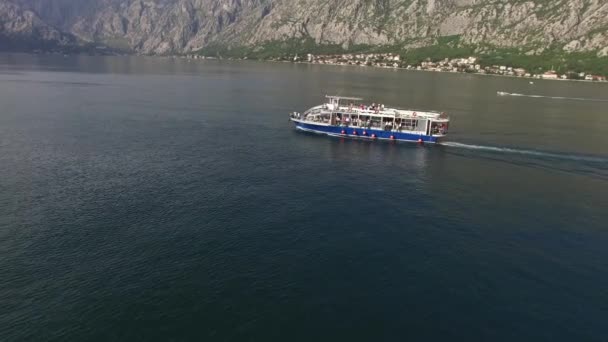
column 186, row 26
column 23, row 29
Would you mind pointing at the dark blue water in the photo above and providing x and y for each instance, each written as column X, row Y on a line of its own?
column 159, row 199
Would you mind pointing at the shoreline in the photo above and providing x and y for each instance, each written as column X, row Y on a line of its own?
column 423, row 70
column 392, row 68
column 307, row 63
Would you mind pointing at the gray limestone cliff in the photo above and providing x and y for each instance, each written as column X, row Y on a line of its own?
column 181, row 26
column 23, row 28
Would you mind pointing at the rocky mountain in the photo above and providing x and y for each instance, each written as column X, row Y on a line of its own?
column 180, row 26
column 24, row 29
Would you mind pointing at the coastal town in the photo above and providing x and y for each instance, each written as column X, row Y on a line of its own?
column 471, row 65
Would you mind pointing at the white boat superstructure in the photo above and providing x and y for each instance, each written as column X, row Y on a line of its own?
column 376, row 120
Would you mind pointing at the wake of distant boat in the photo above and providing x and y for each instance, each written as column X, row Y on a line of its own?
column 503, row 93
column 527, row 152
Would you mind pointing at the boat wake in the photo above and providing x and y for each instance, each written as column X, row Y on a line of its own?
column 502, row 93
column 572, row 157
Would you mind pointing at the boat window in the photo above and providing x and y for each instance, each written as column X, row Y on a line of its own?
column 388, row 124
column 439, row 127
column 407, row 124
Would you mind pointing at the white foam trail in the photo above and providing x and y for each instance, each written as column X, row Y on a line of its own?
column 526, row 152
column 502, row 93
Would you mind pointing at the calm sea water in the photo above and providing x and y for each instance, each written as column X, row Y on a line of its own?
column 161, row 199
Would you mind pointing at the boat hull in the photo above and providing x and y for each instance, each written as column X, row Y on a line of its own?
column 364, row 133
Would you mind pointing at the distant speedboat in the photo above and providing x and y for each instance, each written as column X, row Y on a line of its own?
column 350, row 117
column 501, row 93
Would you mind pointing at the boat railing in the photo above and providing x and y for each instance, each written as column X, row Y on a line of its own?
column 391, row 112
column 313, row 111
column 415, row 128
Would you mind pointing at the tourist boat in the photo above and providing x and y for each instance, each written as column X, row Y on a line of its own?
column 350, row 117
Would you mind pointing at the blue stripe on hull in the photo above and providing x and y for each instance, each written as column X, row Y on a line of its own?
column 349, row 132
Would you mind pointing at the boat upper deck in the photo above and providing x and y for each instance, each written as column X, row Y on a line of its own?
column 373, row 111
column 355, row 106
